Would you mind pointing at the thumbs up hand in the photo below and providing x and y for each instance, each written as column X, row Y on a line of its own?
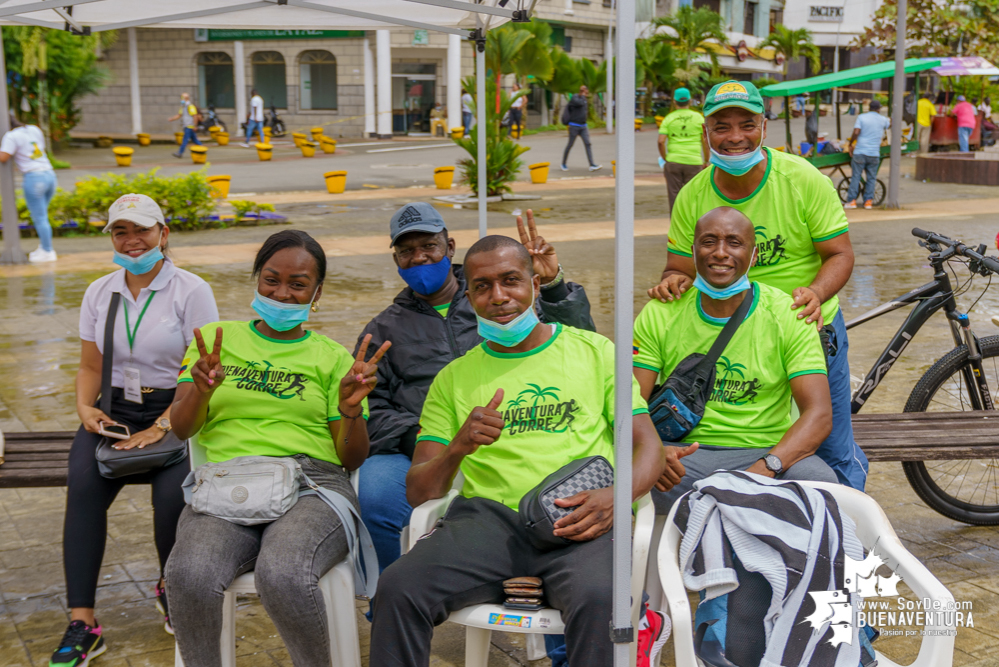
column 483, row 426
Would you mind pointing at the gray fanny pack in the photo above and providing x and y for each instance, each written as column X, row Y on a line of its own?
column 251, row 490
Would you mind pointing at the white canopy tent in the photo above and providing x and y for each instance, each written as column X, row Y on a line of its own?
column 469, row 20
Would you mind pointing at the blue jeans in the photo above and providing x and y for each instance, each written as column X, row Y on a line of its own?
column 868, row 164
column 255, row 126
column 189, row 136
column 840, row 450
column 39, row 188
column 555, row 648
column 466, row 120
column 384, row 509
column 963, row 135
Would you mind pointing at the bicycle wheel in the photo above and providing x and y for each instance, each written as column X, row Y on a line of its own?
column 965, row 490
column 844, row 187
column 880, row 192
column 278, row 129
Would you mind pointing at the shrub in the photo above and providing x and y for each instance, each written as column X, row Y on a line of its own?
column 242, row 207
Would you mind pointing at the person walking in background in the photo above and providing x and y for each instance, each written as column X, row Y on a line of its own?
column 865, row 147
column 517, row 111
column 684, row 156
column 466, row 111
column 189, row 117
column 925, row 111
column 255, row 118
column 574, row 115
column 967, row 118
column 986, row 107
column 26, row 145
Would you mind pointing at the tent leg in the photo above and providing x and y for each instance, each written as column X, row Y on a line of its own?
column 839, row 123
column 480, row 127
column 12, row 253
column 787, row 123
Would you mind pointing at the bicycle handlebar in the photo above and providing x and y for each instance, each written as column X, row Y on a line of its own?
column 990, row 263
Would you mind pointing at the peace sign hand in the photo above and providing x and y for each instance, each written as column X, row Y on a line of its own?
column 361, row 377
column 207, row 371
column 542, row 254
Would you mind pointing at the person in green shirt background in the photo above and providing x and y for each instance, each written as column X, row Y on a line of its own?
column 687, row 149
column 802, row 241
column 772, row 357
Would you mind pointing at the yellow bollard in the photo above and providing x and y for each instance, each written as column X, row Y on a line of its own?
column 123, row 155
column 328, row 144
column 222, row 138
column 457, row 132
column 539, row 172
column 267, row 133
column 308, row 148
column 213, row 130
column 336, row 182
column 144, row 139
column 199, row 154
column 443, row 177
column 659, row 120
column 264, row 151
column 638, row 125
column 178, row 137
column 220, row 186
column 317, row 133
column 298, row 138
column 614, row 168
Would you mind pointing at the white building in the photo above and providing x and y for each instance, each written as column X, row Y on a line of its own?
column 834, row 24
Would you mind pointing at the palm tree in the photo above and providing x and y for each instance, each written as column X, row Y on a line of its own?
column 523, row 51
column 654, row 68
column 793, row 44
column 565, row 79
column 692, row 33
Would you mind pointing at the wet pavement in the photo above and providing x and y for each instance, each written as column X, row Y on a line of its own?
column 39, row 350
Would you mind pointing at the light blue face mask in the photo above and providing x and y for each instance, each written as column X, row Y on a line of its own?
column 281, row 316
column 512, row 333
column 737, row 165
column 144, row 263
column 724, row 293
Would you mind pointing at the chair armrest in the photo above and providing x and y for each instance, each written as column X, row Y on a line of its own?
column 426, row 515
column 675, row 592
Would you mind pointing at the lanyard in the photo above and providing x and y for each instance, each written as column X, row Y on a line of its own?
column 128, row 329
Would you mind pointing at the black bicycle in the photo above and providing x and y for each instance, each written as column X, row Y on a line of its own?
column 966, row 378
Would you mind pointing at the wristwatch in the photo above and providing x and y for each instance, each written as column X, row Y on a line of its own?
column 163, row 424
column 773, row 464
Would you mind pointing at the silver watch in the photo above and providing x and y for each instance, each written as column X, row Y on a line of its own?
column 773, row 464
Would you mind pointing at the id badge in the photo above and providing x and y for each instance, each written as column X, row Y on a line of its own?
column 133, row 386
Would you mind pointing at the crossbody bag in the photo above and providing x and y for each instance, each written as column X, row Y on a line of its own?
column 677, row 405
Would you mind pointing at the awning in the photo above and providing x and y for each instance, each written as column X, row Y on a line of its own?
column 847, row 77
column 964, row 66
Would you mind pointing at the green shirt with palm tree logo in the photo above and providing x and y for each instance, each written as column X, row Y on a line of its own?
column 558, row 405
column 750, row 405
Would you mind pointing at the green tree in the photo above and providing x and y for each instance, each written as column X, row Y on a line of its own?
column 521, row 49
column 693, row 34
column 793, row 44
column 565, row 79
column 937, row 28
column 654, row 69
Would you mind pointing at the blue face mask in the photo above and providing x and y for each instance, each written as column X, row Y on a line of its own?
column 512, row 333
column 144, row 263
column 737, row 165
column 281, row 316
column 723, row 293
column 426, row 279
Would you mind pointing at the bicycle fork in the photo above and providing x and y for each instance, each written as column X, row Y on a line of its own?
column 974, row 370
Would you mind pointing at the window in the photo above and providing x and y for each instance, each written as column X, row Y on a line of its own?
column 318, row 75
column 568, row 44
column 749, row 15
column 215, row 82
column 776, row 18
column 713, row 5
column 269, row 78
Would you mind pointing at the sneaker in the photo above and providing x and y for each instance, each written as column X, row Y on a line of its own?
column 595, row 167
column 38, row 256
column 653, row 631
column 868, row 204
column 245, row 145
column 850, row 204
column 177, row 154
column 79, row 646
column 563, row 167
column 161, row 606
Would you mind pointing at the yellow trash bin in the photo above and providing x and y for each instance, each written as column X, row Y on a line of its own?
column 317, row 133
column 336, row 182
column 443, row 177
column 267, row 132
column 144, row 139
column 264, row 151
column 123, row 155
column 222, row 138
column 199, row 154
column 638, row 125
column 539, row 172
column 659, row 120
column 457, row 132
column 178, row 137
column 298, row 138
column 220, row 186
column 328, row 144
column 614, row 168
column 308, row 148
column 213, row 130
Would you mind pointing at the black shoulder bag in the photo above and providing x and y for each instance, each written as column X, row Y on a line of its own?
column 113, row 463
column 677, row 405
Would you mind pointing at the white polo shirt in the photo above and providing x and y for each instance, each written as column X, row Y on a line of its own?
column 182, row 302
column 257, row 108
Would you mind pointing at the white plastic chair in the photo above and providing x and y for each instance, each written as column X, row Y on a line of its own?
column 546, row 621
column 337, row 587
column 872, row 528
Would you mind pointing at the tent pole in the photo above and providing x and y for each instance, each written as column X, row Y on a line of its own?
column 898, row 99
column 480, row 123
column 12, row 253
column 622, row 631
column 787, row 122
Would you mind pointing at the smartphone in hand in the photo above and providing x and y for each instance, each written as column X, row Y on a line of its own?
column 113, row 430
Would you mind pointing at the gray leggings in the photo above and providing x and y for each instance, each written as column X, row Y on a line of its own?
column 288, row 558
column 707, row 459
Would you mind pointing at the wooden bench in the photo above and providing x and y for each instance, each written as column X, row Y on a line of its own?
column 40, row 459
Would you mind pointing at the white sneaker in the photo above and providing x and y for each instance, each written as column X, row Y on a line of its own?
column 38, row 255
column 563, row 167
column 245, row 145
column 595, row 167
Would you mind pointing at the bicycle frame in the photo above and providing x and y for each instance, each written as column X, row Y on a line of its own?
column 929, row 298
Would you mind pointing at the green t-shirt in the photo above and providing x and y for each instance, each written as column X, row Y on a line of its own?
column 794, row 207
column 278, row 396
column 751, row 402
column 443, row 308
column 558, row 405
column 684, row 127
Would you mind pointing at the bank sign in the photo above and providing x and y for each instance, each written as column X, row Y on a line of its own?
column 825, row 13
column 225, row 35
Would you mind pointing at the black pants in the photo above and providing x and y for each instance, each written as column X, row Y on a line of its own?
column 584, row 134
column 464, row 562
column 677, row 176
column 90, row 495
column 516, row 118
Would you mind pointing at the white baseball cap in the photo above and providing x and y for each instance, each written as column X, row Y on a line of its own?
column 139, row 209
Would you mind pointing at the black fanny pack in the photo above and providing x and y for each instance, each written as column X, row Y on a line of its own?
column 538, row 510
column 677, row 405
